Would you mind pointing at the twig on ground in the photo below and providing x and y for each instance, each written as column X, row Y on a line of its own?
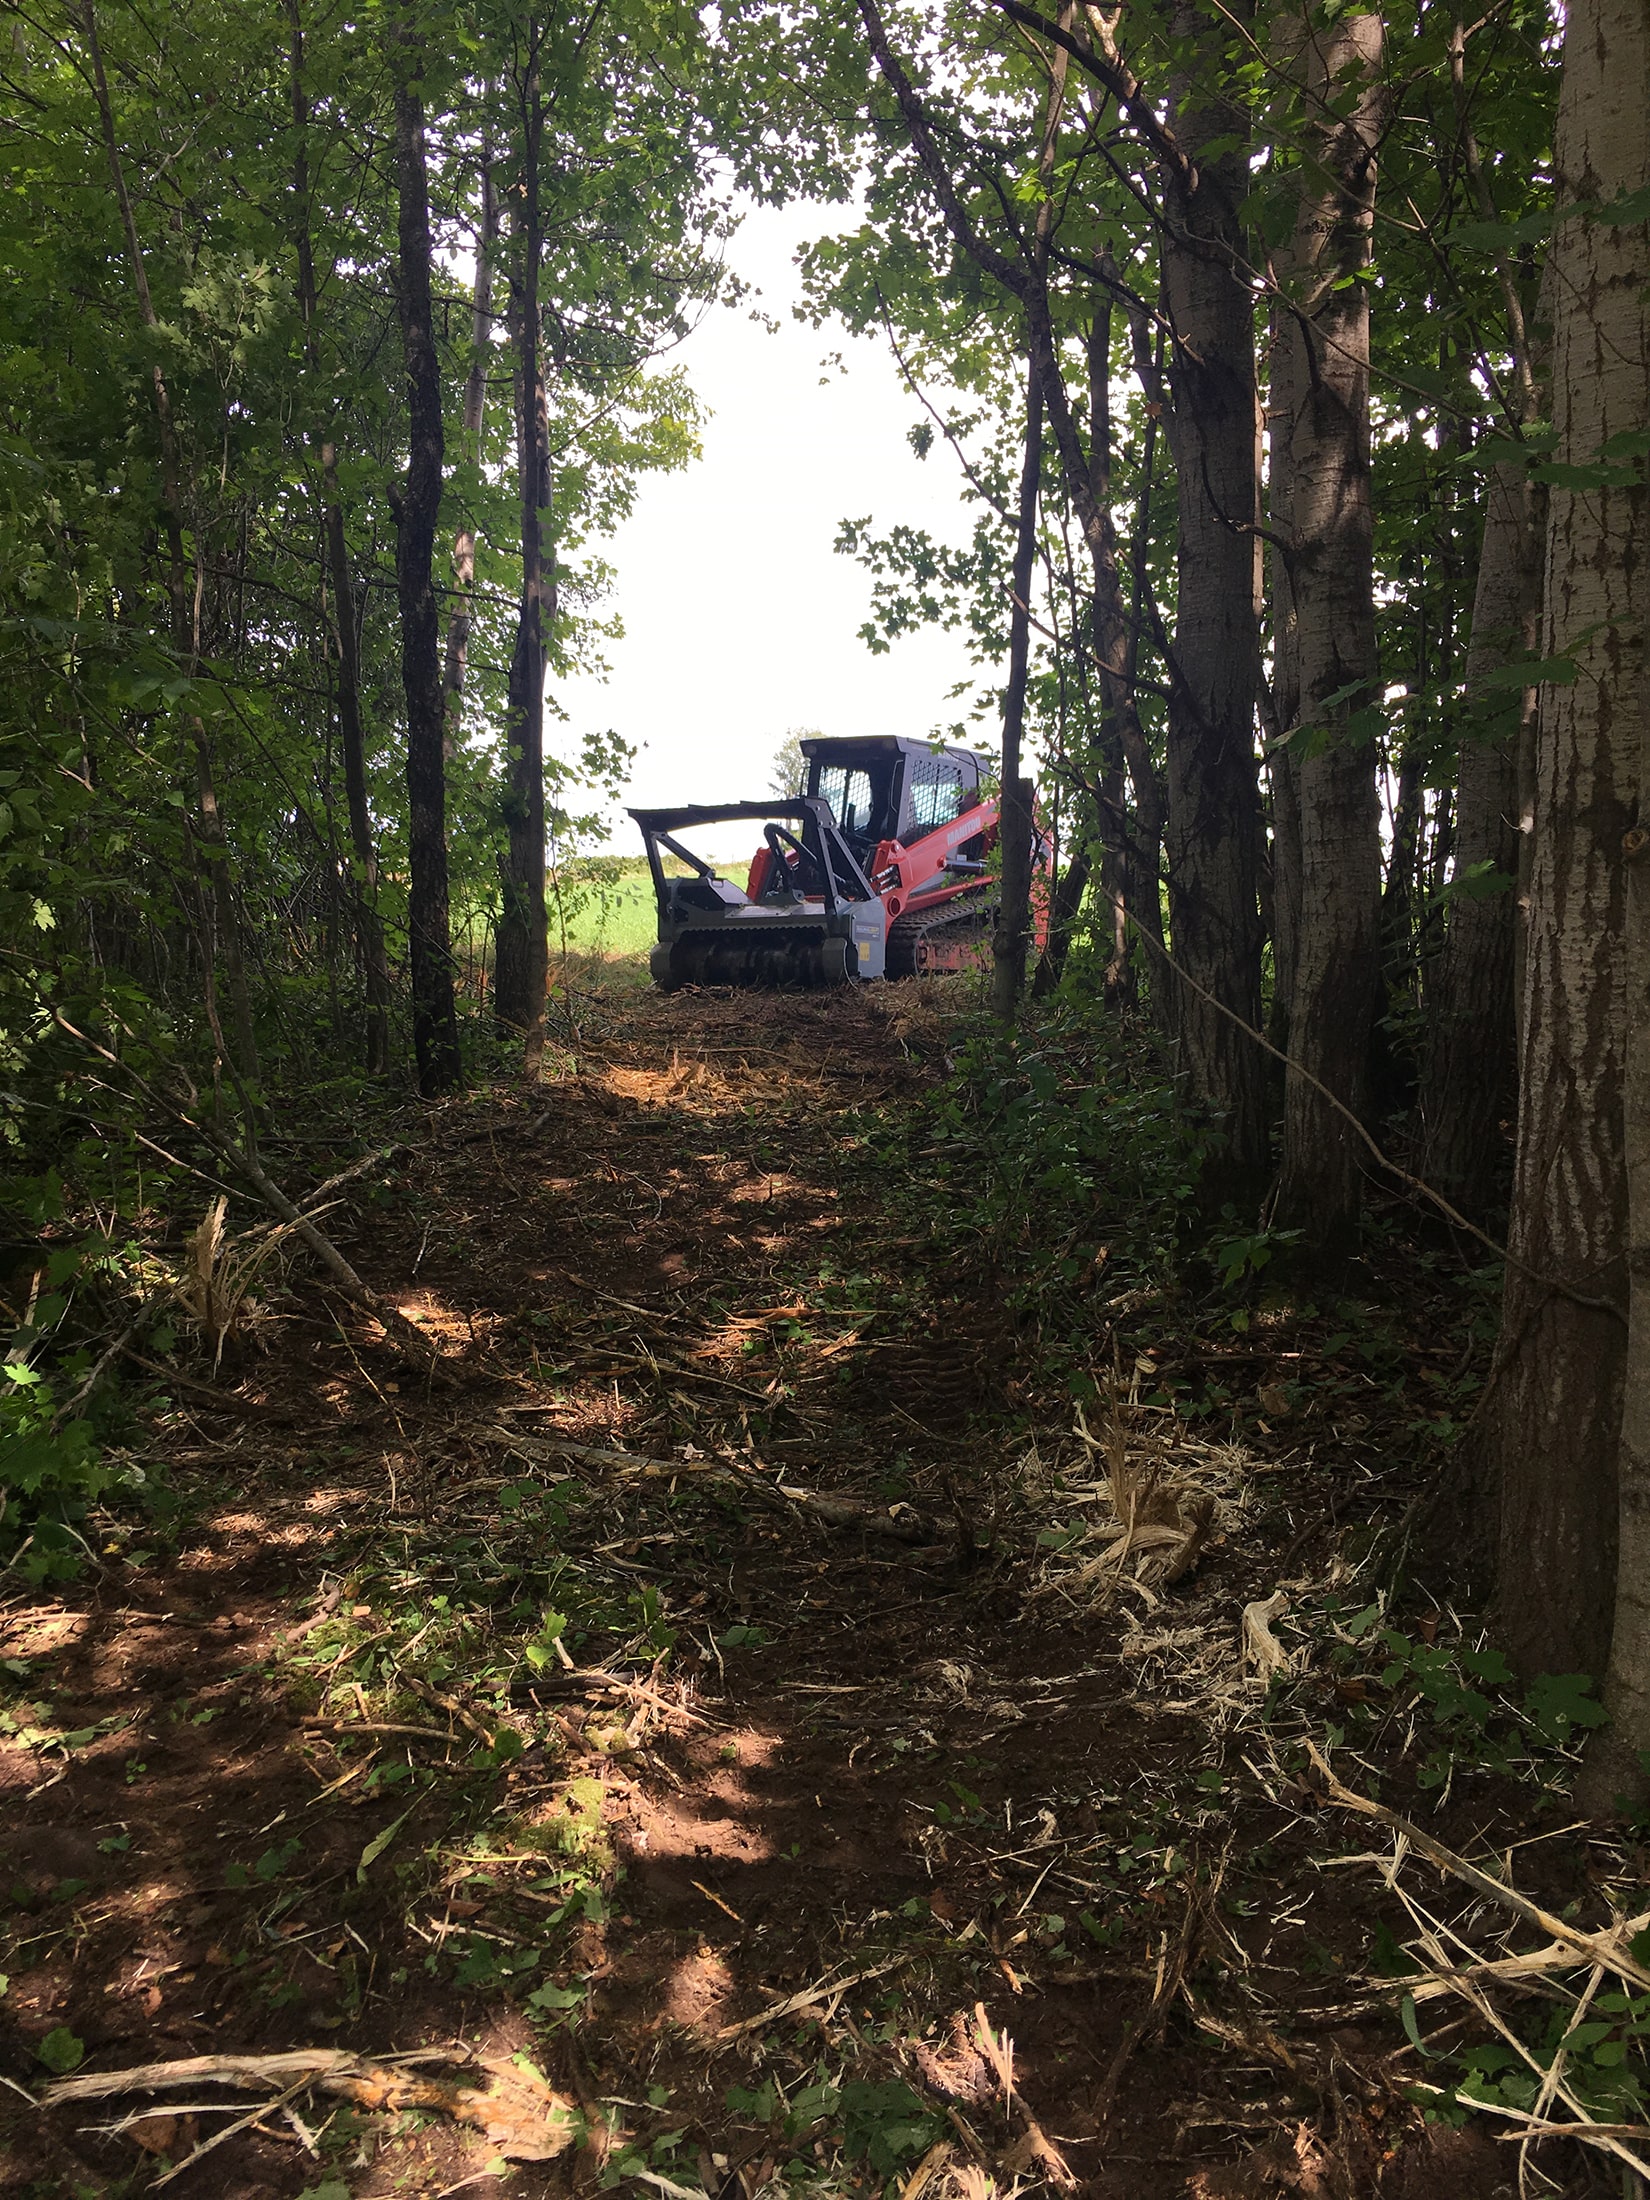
column 1602, row 1948
column 229, row 2131
column 379, row 1726
column 808, row 1998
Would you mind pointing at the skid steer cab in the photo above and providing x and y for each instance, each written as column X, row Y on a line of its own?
column 879, row 867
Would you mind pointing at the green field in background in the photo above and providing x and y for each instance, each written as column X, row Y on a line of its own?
column 604, row 915
column 605, row 919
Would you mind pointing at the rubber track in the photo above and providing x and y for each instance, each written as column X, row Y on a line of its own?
column 973, row 910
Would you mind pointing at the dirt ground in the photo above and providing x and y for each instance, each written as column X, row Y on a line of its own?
column 700, row 1841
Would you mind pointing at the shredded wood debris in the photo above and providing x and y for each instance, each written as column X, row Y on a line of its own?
column 517, row 2110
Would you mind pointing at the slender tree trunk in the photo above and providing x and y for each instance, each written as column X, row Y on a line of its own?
column 417, row 507
column 1214, row 797
column 1025, row 280
column 1284, row 713
column 369, row 928
column 352, row 742
column 475, row 414
column 1115, row 638
column 1468, row 1085
column 1389, row 1078
column 211, row 838
column 1014, row 915
column 522, row 979
column 1569, row 1429
column 1320, row 410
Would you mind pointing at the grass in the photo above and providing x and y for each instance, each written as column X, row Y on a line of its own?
column 606, row 917
column 606, row 904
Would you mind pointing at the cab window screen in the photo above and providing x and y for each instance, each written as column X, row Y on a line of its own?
column 847, row 791
column 936, row 795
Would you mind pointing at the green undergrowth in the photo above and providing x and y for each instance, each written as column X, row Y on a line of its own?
column 1059, row 1153
column 1059, row 1172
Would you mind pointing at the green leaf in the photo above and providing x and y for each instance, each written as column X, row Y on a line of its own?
column 275, row 1861
column 1631, row 208
column 550, row 1997
column 61, row 2051
column 1532, row 672
column 381, row 1841
column 1598, row 476
column 1412, row 2029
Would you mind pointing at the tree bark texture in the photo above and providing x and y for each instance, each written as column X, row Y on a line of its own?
column 352, row 742
column 1320, row 418
column 1568, row 1454
column 1468, row 1082
column 1014, row 911
column 1213, row 426
column 522, row 978
column 417, row 508
column 369, row 928
column 1137, row 875
column 475, row 415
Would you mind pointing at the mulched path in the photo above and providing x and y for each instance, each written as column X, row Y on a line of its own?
column 901, row 1773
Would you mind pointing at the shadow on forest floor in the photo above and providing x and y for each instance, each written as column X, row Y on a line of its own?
column 768, row 1841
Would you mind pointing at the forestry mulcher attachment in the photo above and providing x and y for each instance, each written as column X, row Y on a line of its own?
column 879, row 868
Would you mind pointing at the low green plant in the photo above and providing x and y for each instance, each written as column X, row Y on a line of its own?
column 1600, row 2046
column 1467, row 1694
column 49, row 1476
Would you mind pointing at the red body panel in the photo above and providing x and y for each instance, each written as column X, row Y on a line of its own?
column 916, row 878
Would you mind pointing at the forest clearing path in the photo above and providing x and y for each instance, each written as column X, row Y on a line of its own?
column 441, row 1719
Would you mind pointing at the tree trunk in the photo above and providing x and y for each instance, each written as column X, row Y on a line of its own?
column 1570, row 1432
column 1014, row 915
column 1389, row 1076
column 475, row 414
column 1283, row 711
column 1320, row 414
column 1468, row 1084
column 1138, row 872
column 352, row 741
column 1024, row 279
column 416, row 509
column 1017, row 820
column 369, row 926
column 522, row 970
column 1214, row 432
column 212, row 840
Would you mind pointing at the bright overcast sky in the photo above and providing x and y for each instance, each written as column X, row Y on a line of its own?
column 740, row 621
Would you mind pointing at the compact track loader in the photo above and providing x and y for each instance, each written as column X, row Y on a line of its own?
column 879, row 868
